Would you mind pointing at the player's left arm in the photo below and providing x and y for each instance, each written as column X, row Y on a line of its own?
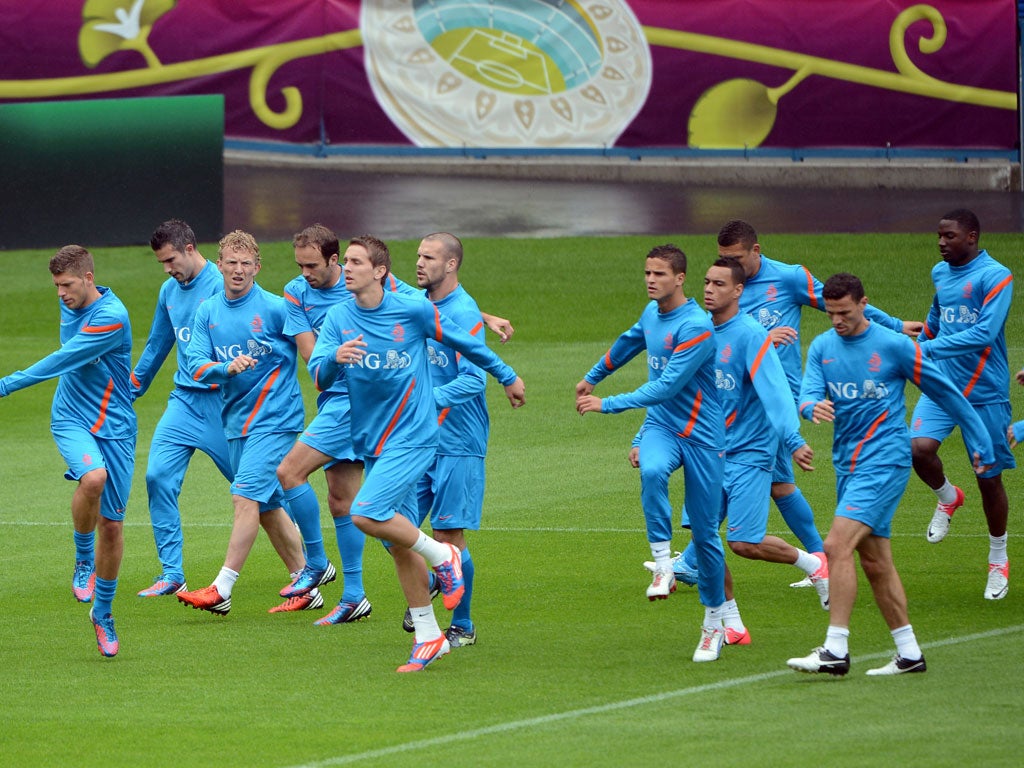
column 469, row 382
column 769, row 379
column 499, row 325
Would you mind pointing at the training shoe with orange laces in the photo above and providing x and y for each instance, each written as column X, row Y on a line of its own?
column 83, row 581
column 710, row 645
column 449, row 576
column 819, row 580
column 306, row 602
column 939, row 526
column 424, row 653
column 309, row 579
column 106, row 637
column 663, row 584
column 206, row 599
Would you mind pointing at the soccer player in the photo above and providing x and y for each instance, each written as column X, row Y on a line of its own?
column 192, row 418
column 239, row 345
column 378, row 343
column 93, row 424
column 684, row 427
column 327, row 442
column 452, row 490
column 749, row 377
column 855, row 378
column 774, row 295
column 965, row 334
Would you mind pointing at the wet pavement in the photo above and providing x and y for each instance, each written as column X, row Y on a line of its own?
column 275, row 202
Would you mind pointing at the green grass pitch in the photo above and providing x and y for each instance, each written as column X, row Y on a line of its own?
column 574, row 667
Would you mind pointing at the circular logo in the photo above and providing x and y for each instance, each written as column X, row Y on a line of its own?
column 506, row 73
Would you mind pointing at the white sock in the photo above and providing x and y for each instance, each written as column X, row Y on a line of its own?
column 713, row 616
column 225, row 582
column 425, row 622
column 432, row 550
column 731, row 616
column 906, row 643
column 947, row 493
column 837, row 641
column 807, row 562
column 661, row 551
column 997, row 549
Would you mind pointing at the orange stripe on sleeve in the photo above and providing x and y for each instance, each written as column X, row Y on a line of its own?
column 102, row 328
column 394, row 419
column 437, row 325
column 103, row 408
column 812, row 300
column 760, row 356
column 202, row 370
column 442, row 416
column 692, row 342
column 292, row 299
column 995, row 291
column 730, row 419
column 694, row 412
column 917, row 364
column 259, row 401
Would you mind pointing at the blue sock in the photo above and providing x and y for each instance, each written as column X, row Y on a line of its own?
column 85, row 546
column 351, row 542
column 104, row 596
column 305, row 511
column 460, row 616
column 800, row 518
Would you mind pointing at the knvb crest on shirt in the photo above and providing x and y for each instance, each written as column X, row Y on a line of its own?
column 256, row 324
column 875, row 362
column 771, row 293
column 726, row 355
column 850, row 390
column 398, row 333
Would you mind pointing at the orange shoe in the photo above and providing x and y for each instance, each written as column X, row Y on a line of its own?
column 306, row 602
column 732, row 637
column 449, row 576
column 206, row 599
column 819, row 579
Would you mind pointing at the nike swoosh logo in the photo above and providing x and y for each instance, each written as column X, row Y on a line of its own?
column 306, row 309
column 347, row 331
column 852, row 509
column 827, row 360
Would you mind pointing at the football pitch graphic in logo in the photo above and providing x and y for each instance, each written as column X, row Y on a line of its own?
column 505, row 73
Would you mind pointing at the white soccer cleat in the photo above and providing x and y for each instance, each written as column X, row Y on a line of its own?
column 899, row 666
column 819, row 580
column 998, row 581
column 662, row 585
column 939, row 526
column 803, row 583
column 710, row 645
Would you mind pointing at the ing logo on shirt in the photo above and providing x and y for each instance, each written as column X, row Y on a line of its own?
column 962, row 314
column 875, row 362
column 656, row 363
column 767, row 318
column 256, row 324
column 393, row 360
column 398, row 333
column 849, row 390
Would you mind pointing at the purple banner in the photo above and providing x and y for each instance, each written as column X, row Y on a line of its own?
column 542, row 73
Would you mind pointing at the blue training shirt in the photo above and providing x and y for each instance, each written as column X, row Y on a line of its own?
column 392, row 393
column 172, row 326
column 93, row 365
column 265, row 398
column 680, row 393
column 864, row 377
column 752, row 387
column 965, row 332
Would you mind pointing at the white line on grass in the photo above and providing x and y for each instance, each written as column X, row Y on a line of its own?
column 496, row 529
column 573, row 714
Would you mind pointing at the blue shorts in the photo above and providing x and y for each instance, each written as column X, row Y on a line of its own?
column 330, row 430
column 871, row 495
column 84, row 452
column 452, row 491
column 782, row 472
column 929, row 420
column 389, row 483
column 745, row 496
column 254, row 459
